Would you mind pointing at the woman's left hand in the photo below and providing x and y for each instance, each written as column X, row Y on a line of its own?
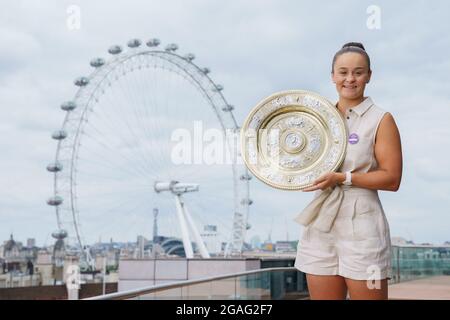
column 325, row 181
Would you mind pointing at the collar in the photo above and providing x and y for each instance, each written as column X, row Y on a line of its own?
column 361, row 108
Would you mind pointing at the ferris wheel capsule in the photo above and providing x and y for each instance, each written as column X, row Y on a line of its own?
column 59, row 234
column 228, row 108
column 81, row 81
column 171, row 47
column 134, row 43
column 245, row 176
column 55, row 167
column 97, row 62
column 55, row 201
column 205, row 70
column 59, row 135
column 153, row 42
column 68, row 105
column 189, row 57
column 115, row 49
column 218, row 88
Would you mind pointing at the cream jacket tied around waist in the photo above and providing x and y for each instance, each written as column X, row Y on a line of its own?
column 362, row 123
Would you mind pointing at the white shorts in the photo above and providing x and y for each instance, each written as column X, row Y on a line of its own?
column 358, row 245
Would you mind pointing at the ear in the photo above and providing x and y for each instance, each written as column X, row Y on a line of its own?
column 370, row 75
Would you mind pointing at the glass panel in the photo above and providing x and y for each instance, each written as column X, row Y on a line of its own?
column 223, row 289
column 253, row 286
column 410, row 263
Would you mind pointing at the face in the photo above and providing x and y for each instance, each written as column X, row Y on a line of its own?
column 351, row 73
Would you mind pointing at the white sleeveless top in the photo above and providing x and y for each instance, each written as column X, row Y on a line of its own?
column 362, row 123
column 347, row 232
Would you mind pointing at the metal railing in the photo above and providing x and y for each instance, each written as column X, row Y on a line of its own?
column 407, row 263
column 266, row 283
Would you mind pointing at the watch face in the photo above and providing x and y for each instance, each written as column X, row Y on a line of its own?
column 291, row 138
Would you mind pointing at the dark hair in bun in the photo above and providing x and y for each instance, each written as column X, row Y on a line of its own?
column 354, row 44
column 351, row 47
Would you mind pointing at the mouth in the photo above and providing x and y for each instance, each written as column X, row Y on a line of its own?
column 349, row 87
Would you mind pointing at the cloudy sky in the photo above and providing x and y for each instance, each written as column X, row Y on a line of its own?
column 254, row 48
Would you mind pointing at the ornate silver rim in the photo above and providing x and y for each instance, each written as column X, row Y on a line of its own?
column 332, row 130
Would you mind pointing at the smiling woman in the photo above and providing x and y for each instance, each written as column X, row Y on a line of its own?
column 352, row 71
column 354, row 253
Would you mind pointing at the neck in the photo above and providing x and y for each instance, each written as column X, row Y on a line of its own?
column 344, row 103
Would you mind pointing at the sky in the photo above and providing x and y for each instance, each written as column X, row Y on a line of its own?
column 254, row 48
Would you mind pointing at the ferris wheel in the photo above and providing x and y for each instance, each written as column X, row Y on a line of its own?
column 115, row 152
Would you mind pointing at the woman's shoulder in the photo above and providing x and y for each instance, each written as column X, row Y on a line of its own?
column 379, row 113
column 376, row 109
column 382, row 118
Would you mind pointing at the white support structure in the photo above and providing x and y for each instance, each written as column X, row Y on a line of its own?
column 198, row 239
column 184, row 230
column 184, row 218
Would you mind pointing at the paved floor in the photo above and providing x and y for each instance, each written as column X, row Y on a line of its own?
column 432, row 288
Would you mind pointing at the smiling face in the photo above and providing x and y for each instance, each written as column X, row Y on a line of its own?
column 351, row 73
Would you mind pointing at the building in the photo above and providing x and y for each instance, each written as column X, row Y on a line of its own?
column 140, row 251
column 399, row 241
column 211, row 240
column 45, row 268
column 285, row 246
column 15, row 256
column 12, row 280
column 31, row 242
column 11, row 250
column 135, row 274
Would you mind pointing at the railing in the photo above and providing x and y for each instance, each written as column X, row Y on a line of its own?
column 261, row 284
column 408, row 263
column 414, row 262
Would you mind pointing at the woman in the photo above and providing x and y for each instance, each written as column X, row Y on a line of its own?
column 353, row 254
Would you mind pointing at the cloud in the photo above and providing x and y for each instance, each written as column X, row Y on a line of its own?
column 17, row 48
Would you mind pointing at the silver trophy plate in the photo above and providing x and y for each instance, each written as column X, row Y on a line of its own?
column 292, row 137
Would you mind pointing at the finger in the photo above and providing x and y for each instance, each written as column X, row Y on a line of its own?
column 324, row 177
column 322, row 185
column 312, row 188
column 320, row 179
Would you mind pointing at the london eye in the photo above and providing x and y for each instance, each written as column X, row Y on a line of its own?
column 114, row 160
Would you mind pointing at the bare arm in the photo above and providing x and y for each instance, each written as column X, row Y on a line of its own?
column 388, row 153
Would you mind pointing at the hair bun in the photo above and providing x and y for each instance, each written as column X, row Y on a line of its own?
column 354, row 44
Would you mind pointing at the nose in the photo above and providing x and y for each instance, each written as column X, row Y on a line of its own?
column 350, row 78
